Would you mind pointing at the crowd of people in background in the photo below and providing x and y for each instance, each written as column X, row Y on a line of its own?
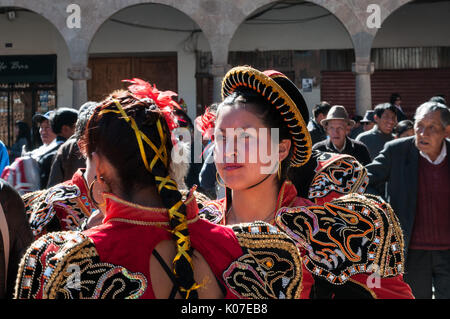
column 408, row 165
column 406, row 159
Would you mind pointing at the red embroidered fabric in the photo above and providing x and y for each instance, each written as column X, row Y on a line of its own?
column 86, row 203
column 389, row 288
column 287, row 197
column 69, row 202
column 129, row 234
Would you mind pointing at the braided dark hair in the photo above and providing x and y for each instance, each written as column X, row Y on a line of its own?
column 120, row 118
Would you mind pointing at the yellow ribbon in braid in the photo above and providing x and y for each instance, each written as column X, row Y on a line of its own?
column 164, row 181
column 183, row 242
column 160, row 153
column 195, row 286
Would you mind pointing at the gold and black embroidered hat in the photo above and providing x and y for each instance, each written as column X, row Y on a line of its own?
column 284, row 96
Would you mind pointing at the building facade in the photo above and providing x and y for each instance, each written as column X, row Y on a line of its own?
column 355, row 53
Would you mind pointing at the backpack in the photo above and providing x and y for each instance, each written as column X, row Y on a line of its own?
column 23, row 174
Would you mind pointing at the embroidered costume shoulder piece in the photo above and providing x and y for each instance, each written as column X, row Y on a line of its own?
column 66, row 265
column 336, row 175
column 350, row 235
column 270, row 266
column 62, row 207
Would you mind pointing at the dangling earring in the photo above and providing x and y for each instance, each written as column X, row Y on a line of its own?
column 218, row 180
column 91, row 193
column 279, row 171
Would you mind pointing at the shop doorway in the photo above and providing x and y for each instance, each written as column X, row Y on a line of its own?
column 108, row 73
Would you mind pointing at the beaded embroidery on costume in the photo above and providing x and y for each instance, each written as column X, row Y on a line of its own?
column 350, row 235
column 213, row 211
column 337, row 175
column 41, row 208
column 200, row 198
column 66, row 265
column 270, row 266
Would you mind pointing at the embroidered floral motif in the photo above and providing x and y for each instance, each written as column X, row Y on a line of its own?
column 270, row 266
column 349, row 235
column 97, row 280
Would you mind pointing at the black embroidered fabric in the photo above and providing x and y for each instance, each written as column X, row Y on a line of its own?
column 270, row 267
column 350, row 235
column 72, row 269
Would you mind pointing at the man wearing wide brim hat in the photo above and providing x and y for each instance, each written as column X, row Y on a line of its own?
column 337, row 112
column 338, row 124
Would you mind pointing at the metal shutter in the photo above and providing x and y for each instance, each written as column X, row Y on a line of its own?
column 415, row 87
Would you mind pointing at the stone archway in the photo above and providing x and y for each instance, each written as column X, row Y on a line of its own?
column 160, row 37
column 298, row 32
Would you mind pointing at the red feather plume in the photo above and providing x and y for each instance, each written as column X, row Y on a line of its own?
column 205, row 123
column 163, row 99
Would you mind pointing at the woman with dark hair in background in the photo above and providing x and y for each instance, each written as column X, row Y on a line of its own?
column 396, row 100
column 404, row 129
column 23, row 138
column 151, row 244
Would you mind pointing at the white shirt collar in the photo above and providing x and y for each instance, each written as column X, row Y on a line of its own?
column 343, row 147
column 440, row 158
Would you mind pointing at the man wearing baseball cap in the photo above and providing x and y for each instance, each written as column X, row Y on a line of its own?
column 368, row 122
column 55, row 128
column 45, row 130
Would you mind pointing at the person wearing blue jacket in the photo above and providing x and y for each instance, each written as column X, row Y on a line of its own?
column 4, row 157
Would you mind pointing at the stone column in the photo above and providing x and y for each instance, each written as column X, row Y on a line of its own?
column 79, row 74
column 218, row 71
column 362, row 69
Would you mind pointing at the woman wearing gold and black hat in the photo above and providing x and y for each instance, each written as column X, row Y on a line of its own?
column 254, row 103
column 335, row 263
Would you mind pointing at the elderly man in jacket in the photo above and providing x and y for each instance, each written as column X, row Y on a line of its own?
column 413, row 173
